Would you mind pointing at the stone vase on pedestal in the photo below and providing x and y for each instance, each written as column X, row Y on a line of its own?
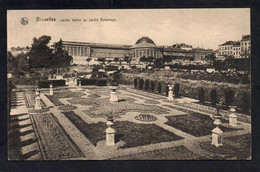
column 37, row 101
column 110, row 134
column 113, row 94
column 51, row 89
column 232, row 117
column 217, row 133
column 170, row 93
column 79, row 84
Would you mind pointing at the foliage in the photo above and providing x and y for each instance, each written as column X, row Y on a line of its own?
column 213, row 97
column 176, row 90
column 158, row 63
column 229, row 97
column 40, row 54
column 60, row 57
column 146, row 85
column 159, row 88
column 135, row 82
column 141, row 83
column 17, row 65
column 201, row 95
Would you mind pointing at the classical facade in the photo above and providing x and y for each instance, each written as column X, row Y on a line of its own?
column 145, row 47
column 80, row 51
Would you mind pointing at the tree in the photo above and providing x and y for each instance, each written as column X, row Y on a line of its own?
column 127, row 59
column 201, row 95
column 40, row 54
column 116, row 59
column 88, row 60
column 158, row 63
column 101, row 60
column 167, row 59
column 150, row 59
column 18, row 64
column 60, row 57
column 143, row 59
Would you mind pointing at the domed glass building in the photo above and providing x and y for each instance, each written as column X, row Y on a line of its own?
column 145, row 47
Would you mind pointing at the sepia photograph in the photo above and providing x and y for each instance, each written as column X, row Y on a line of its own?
column 129, row 84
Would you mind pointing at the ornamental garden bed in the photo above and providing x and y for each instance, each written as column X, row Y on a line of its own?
column 29, row 97
column 145, row 117
column 173, row 153
column 63, row 94
column 131, row 133
column 196, row 124
column 67, row 107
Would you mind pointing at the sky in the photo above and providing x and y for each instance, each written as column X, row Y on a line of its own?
column 205, row 28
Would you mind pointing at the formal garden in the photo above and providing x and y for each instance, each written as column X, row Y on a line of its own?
column 86, row 121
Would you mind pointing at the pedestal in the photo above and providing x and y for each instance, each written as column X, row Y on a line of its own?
column 217, row 137
column 113, row 94
column 51, row 89
column 79, row 84
column 170, row 96
column 232, row 118
column 110, row 136
column 75, row 82
column 37, row 103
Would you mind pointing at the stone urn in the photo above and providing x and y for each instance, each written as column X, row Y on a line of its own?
column 232, row 117
column 113, row 93
column 170, row 93
column 110, row 133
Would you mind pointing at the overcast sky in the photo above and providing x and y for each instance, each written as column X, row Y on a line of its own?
column 205, row 28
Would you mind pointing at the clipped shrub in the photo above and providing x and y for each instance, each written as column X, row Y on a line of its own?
column 101, row 82
column 166, row 89
column 135, row 82
column 146, row 85
column 176, row 89
column 159, row 88
column 141, row 83
column 55, row 83
column 245, row 102
column 229, row 97
column 152, row 86
column 213, row 97
column 201, row 95
column 87, row 81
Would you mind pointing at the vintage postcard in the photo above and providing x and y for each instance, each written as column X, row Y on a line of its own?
column 132, row 84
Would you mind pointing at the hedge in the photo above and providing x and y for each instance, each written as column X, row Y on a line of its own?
column 101, row 82
column 146, row 85
column 46, row 83
column 225, row 94
column 87, row 81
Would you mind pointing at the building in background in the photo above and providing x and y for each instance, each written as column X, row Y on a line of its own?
column 145, row 47
column 245, row 46
column 80, row 51
column 236, row 50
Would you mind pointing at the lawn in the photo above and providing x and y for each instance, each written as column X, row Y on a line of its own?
column 195, row 124
column 131, row 133
column 63, row 94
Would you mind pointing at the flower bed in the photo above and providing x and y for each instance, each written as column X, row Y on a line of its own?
column 195, row 124
column 131, row 133
column 67, row 107
column 94, row 96
column 145, row 117
column 151, row 102
column 38, row 110
column 63, row 94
